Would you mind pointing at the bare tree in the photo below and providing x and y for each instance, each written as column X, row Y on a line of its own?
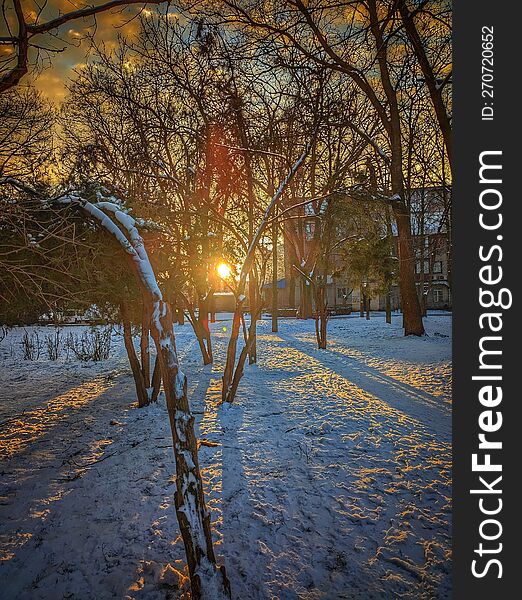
column 26, row 137
column 207, row 579
column 23, row 33
column 147, row 119
column 436, row 70
column 233, row 372
column 366, row 44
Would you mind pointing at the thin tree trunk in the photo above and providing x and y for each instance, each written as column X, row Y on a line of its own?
column 231, row 351
column 275, row 299
column 205, row 329
column 252, row 292
column 322, row 317
column 291, row 291
column 212, row 306
column 200, row 336
column 145, row 346
column 199, row 331
column 388, row 308
column 156, row 381
column 244, row 327
column 322, row 332
column 321, row 308
column 240, row 367
column 207, row 580
column 305, row 310
column 411, row 311
column 139, row 382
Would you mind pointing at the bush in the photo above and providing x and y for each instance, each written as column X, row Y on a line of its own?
column 94, row 344
column 53, row 343
column 31, row 346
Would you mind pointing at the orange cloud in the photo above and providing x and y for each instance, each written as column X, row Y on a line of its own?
column 72, row 37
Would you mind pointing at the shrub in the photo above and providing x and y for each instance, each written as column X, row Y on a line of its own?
column 94, row 344
column 31, row 346
column 53, row 344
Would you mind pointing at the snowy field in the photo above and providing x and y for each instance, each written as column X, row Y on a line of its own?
column 330, row 478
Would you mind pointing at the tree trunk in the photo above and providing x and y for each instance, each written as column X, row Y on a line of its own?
column 323, row 330
column 254, row 301
column 423, row 300
column 388, row 308
column 208, row 581
column 145, row 346
column 201, row 337
column 275, row 299
column 139, row 382
column 156, row 381
column 231, row 351
column 212, row 306
column 205, row 330
column 240, row 367
column 321, row 319
column 411, row 311
column 199, row 331
column 305, row 309
column 244, row 327
column 291, row 291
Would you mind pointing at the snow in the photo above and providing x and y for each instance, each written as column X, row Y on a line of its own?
column 134, row 247
column 105, row 222
column 330, row 478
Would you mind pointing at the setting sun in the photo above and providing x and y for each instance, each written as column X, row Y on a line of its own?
column 223, row 270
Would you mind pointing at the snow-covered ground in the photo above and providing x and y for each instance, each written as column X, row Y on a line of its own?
column 330, row 478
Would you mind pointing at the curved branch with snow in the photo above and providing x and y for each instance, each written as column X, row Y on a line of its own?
column 208, row 581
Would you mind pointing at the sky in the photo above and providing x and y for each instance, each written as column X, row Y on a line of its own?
column 53, row 78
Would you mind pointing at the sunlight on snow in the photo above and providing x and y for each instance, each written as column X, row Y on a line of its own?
column 17, row 433
column 9, row 544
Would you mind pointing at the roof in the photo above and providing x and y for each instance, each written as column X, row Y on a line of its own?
column 281, row 284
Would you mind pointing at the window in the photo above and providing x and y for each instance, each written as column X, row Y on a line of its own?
column 426, row 266
column 344, row 295
column 309, row 230
column 438, row 296
column 437, row 266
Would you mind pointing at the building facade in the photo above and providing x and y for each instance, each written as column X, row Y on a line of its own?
column 432, row 249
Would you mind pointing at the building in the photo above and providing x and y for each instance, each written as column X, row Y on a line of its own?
column 432, row 248
column 431, row 219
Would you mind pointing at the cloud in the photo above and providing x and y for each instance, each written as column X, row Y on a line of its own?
column 72, row 37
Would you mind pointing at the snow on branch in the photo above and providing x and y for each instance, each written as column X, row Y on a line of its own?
column 124, row 230
column 247, row 264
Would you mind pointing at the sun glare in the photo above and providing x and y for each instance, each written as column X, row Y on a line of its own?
column 223, row 270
